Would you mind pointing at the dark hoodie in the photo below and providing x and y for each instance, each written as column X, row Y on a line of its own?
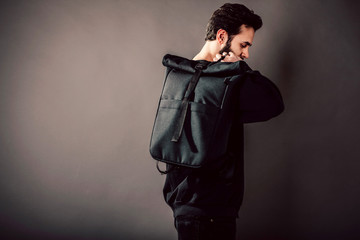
column 219, row 192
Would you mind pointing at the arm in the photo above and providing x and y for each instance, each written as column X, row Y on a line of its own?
column 259, row 99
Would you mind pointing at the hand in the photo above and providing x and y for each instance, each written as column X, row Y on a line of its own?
column 231, row 57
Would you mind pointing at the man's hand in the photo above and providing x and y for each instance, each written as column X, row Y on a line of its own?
column 230, row 57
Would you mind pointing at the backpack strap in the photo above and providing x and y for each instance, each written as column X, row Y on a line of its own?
column 185, row 102
column 169, row 168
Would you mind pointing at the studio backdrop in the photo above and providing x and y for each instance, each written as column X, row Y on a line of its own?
column 79, row 86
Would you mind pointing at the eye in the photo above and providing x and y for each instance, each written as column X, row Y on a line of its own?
column 243, row 45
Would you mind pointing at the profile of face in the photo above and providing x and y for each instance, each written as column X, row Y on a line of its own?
column 239, row 44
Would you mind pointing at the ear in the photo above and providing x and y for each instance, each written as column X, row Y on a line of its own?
column 221, row 37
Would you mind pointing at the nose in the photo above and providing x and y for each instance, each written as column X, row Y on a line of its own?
column 245, row 53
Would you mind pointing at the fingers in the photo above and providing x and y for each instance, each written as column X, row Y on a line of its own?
column 220, row 56
column 232, row 58
column 217, row 57
column 229, row 57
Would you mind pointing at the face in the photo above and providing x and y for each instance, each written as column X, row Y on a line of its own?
column 240, row 43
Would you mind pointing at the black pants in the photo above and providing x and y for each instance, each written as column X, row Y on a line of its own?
column 205, row 228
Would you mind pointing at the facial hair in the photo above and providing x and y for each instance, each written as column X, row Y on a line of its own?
column 227, row 47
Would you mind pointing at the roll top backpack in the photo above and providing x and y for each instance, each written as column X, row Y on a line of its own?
column 195, row 111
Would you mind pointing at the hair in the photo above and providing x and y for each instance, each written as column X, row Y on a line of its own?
column 230, row 17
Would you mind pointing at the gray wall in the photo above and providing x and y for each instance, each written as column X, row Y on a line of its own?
column 79, row 84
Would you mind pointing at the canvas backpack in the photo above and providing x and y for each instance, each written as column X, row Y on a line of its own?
column 195, row 111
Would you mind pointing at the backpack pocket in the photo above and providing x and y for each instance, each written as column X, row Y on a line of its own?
column 195, row 142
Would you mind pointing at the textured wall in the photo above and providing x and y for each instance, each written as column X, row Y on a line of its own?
column 79, row 84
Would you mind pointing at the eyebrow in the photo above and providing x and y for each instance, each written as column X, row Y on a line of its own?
column 247, row 43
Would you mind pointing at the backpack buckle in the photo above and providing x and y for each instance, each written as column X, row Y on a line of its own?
column 200, row 66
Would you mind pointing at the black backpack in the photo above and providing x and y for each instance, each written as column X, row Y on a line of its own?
column 195, row 111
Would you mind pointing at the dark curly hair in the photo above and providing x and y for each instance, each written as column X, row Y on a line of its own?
column 230, row 17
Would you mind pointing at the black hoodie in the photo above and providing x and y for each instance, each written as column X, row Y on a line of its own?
column 219, row 192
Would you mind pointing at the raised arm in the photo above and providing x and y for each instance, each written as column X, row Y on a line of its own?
column 259, row 99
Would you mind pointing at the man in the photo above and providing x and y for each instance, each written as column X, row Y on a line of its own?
column 206, row 204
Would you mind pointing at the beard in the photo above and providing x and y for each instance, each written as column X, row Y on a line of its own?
column 227, row 47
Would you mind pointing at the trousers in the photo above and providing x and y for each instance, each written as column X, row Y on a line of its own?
column 205, row 228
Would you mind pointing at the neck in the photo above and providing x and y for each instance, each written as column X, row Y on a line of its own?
column 207, row 52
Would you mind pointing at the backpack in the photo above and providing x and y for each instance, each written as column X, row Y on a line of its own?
column 195, row 111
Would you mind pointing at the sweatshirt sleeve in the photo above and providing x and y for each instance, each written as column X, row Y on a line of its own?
column 259, row 99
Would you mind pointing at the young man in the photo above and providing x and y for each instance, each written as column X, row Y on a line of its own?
column 206, row 203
